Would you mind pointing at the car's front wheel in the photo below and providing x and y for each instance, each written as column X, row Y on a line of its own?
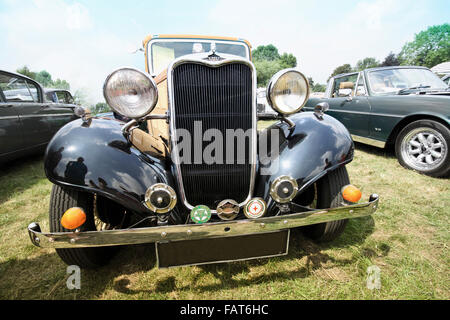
column 423, row 146
column 329, row 196
column 61, row 200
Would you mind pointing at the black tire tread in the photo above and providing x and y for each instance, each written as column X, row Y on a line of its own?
column 329, row 196
column 62, row 199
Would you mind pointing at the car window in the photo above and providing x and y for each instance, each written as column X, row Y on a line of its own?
column 61, row 96
column 344, row 86
column 360, row 87
column 16, row 89
column 50, row 96
column 391, row 81
column 163, row 52
column 69, row 98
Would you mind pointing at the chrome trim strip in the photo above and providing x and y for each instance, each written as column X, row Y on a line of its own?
column 45, row 115
column 372, row 142
column 200, row 59
column 362, row 112
column 9, row 117
column 197, row 231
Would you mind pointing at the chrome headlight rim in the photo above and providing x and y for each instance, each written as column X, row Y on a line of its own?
column 148, row 77
column 273, row 81
column 165, row 188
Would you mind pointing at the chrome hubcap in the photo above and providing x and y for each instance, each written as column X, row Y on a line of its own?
column 424, row 149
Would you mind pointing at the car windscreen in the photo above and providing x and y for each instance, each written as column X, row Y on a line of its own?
column 162, row 53
column 391, row 81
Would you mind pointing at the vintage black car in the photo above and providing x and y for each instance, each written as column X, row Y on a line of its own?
column 27, row 120
column 190, row 172
column 403, row 107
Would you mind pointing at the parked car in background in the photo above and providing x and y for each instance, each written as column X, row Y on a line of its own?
column 59, row 96
column 27, row 120
column 404, row 107
column 446, row 79
column 262, row 105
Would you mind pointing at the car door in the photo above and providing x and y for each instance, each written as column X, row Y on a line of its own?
column 349, row 103
column 60, row 112
column 33, row 112
column 11, row 139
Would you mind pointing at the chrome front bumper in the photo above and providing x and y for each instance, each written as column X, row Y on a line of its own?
column 197, row 231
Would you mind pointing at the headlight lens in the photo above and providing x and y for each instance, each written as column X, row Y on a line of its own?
column 288, row 91
column 130, row 92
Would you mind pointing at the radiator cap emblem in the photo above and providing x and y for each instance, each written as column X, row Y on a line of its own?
column 255, row 208
column 200, row 214
column 228, row 209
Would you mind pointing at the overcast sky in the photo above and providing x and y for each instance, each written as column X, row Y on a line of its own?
column 83, row 41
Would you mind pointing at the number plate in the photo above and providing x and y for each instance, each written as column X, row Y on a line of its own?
column 227, row 249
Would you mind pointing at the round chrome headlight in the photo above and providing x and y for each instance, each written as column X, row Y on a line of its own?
column 130, row 93
column 288, row 91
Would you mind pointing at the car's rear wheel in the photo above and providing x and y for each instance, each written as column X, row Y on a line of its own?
column 423, row 146
column 328, row 195
column 62, row 199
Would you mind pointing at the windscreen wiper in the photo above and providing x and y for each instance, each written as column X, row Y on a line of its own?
column 412, row 88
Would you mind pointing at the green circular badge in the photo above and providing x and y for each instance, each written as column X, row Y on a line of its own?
column 200, row 214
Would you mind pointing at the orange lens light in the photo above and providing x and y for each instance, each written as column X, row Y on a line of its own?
column 73, row 218
column 351, row 193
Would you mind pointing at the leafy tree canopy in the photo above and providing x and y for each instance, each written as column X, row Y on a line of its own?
column 429, row 47
column 390, row 60
column 268, row 61
column 100, row 108
column 44, row 78
column 269, row 52
column 366, row 63
column 345, row 68
column 27, row 72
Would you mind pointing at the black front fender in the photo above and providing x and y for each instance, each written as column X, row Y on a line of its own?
column 306, row 152
column 96, row 157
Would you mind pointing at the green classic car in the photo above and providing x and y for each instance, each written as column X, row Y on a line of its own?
column 403, row 107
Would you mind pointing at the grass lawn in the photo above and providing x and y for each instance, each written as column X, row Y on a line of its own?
column 407, row 238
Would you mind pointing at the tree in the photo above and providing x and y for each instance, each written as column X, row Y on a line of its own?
column 265, row 69
column 316, row 87
column 268, row 61
column 288, row 60
column 390, row 60
column 44, row 78
column 345, row 68
column 26, row 72
column 366, row 63
column 269, row 52
column 429, row 47
column 100, row 108
column 61, row 84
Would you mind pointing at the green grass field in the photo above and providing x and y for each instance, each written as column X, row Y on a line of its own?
column 407, row 238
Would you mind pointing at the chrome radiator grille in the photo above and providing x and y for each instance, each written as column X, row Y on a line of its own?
column 221, row 98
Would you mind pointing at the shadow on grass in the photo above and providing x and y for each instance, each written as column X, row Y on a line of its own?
column 46, row 274
column 386, row 152
column 15, row 176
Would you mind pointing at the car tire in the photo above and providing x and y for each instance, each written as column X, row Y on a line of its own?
column 62, row 199
column 423, row 146
column 329, row 196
